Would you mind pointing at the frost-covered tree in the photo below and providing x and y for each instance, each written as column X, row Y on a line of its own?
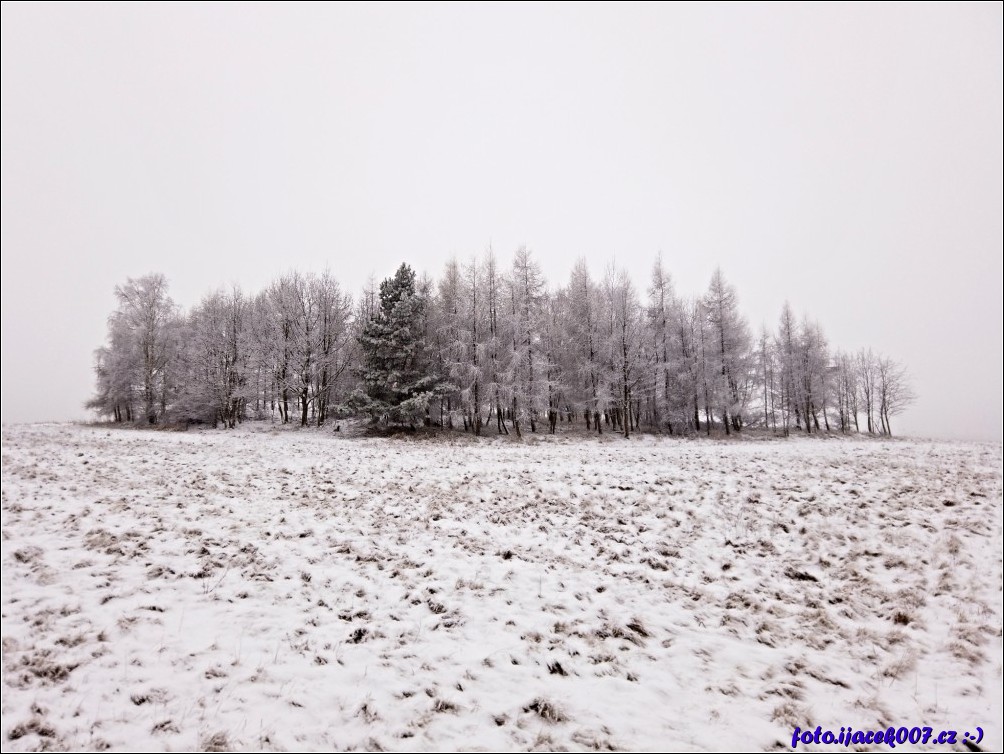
column 868, row 385
column 215, row 364
column 525, row 369
column 135, row 379
column 398, row 381
column 495, row 344
column 730, row 344
column 671, row 390
column 624, row 348
column 473, row 338
column 689, row 337
column 584, row 372
column 846, row 391
column 306, row 331
column 894, row 391
column 787, row 348
column 552, row 341
column 813, row 358
column 483, row 343
column 767, row 363
column 660, row 305
column 336, row 344
column 116, row 367
column 259, row 332
column 281, row 342
column 451, row 350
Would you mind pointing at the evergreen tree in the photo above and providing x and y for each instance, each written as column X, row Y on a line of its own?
column 398, row 379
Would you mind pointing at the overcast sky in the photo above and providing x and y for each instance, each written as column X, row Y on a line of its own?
column 845, row 158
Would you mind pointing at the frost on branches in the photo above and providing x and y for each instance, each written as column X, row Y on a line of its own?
column 397, row 382
column 488, row 347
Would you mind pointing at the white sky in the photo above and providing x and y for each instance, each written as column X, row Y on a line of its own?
column 846, row 158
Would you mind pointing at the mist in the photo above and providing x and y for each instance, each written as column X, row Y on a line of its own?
column 844, row 159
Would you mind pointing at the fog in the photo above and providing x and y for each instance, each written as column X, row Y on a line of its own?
column 847, row 159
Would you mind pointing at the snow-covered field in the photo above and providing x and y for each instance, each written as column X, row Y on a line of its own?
column 263, row 589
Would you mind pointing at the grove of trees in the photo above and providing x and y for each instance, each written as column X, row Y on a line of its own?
column 487, row 347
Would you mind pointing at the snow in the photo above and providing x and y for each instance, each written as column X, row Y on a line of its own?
column 280, row 589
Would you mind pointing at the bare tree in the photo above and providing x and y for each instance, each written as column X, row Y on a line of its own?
column 894, row 391
column 847, row 391
column 143, row 340
column 868, row 385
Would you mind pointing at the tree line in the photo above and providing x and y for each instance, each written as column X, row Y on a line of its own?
column 486, row 347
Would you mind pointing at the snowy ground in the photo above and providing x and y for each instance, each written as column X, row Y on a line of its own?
column 279, row 590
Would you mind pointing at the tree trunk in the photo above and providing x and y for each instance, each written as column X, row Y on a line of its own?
column 626, row 421
column 500, row 419
column 477, row 402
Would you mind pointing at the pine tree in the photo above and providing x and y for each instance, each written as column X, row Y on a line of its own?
column 398, row 379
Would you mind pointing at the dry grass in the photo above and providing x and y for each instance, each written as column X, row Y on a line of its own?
column 373, row 593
